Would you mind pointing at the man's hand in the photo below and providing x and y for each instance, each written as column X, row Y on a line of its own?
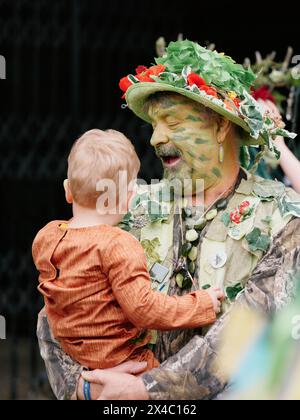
column 117, row 383
column 217, row 296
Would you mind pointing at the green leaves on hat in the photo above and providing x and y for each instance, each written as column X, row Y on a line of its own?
column 251, row 112
column 216, row 69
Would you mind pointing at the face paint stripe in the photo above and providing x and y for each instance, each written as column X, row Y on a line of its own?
column 217, row 172
column 203, row 158
column 194, row 119
column 201, row 141
column 179, row 138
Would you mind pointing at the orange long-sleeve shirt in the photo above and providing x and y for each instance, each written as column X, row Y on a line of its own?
column 98, row 295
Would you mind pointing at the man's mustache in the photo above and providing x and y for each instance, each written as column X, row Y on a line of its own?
column 166, row 151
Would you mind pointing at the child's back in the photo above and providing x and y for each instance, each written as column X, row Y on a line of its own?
column 81, row 304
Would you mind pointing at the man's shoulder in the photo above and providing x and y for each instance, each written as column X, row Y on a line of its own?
column 284, row 198
column 275, row 187
column 288, row 238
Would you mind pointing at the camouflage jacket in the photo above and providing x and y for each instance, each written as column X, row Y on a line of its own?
column 189, row 370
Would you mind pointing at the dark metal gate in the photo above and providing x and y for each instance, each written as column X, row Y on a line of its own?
column 63, row 67
column 64, row 60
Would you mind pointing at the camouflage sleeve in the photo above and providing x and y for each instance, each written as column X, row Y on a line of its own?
column 63, row 372
column 193, row 373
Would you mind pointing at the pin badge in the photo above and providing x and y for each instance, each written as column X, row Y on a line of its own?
column 218, row 260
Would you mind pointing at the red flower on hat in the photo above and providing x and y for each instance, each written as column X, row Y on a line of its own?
column 140, row 69
column 195, row 79
column 237, row 102
column 125, row 84
column 209, row 90
column 263, row 93
column 142, row 75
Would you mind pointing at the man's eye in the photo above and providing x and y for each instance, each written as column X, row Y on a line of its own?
column 173, row 123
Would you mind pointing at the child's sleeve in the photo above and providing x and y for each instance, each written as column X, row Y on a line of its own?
column 126, row 267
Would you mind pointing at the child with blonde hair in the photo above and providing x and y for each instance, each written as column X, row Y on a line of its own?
column 93, row 275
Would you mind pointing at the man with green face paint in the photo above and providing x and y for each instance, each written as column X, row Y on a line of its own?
column 202, row 113
column 187, row 137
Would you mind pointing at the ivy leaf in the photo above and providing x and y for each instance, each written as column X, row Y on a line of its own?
column 150, row 250
column 267, row 220
column 245, row 157
column 186, row 71
column 215, row 68
column 288, row 208
column 233, row 291
column 127, row 217
column 284, row 133
column 268, row 190
column 257, row 241
column 135, row 202
column 251, row 112
column 124, row 227
column 127, row 222
column 226, row 219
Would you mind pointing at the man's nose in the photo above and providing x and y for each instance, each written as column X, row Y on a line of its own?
column 159, row 137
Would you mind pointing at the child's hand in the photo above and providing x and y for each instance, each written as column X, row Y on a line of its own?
column 217, row 296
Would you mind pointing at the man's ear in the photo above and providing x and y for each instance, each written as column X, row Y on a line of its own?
column 224, row 126
column 69, row 197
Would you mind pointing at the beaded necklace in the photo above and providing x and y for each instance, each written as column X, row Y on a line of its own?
column 185, row 267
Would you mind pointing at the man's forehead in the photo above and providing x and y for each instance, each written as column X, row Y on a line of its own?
column 170, row 103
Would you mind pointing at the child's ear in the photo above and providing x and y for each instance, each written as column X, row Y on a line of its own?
column 69, row 197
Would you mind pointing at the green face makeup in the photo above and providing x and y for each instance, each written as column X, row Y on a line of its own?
column 191, row 131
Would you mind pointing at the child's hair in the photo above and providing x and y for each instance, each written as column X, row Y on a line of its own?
column 96, row 156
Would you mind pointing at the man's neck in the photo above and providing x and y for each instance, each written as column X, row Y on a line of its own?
column 217, row 191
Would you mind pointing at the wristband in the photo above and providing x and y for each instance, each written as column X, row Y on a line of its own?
column 87, row 390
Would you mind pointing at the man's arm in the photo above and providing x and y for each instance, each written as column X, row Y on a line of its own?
column 194, row 373
column 63, row 372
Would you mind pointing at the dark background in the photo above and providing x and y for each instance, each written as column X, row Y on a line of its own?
column 64, row 61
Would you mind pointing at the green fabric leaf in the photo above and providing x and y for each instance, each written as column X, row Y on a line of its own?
column 250, row 110
column 124, row 227
column 267, row 220
column 288, row 208
column 257, row 241
column 245, row 157
column 268, row 190
column 150, row 248
column 215, row 68
column 233, row 291
column 283, row 133
column 226, row 219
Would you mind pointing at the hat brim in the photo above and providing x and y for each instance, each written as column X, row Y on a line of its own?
column 138, row 94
